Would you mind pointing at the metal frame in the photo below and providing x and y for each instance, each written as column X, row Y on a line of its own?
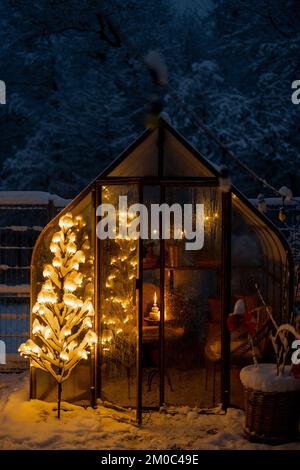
column 139, row 286
column 225, row 297
column 95, row 362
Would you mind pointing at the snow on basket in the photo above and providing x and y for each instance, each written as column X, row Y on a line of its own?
column 264, row 378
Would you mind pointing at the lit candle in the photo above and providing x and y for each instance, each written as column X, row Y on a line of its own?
column 155, row 313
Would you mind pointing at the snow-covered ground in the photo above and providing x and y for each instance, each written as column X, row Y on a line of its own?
column 32, row 425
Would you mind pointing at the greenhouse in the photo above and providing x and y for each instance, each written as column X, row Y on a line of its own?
column 160, row 310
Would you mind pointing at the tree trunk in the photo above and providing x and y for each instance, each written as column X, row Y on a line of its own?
column 59, row 387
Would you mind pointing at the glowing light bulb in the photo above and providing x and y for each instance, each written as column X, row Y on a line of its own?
column 69, row 285
column 89, row 307
column 36, row 327
column 54, row 248
column 35, row 349
column 57, row 237
column 83, row 354
column 71, row 248
column 91, row 338
column 42, row 310
column 87, row 323
column 36, row 307
column 86, row 245
column 45, row 297
column 79, row 257
column 47, row 332
column 66, row 221
column 64, row 356
column 70, row 300
column 56, row 262
column 48, row 285
column 47, row 272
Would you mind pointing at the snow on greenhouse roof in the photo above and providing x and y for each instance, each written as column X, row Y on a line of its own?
column 31, row 198
column 19, row 289
column 277, row 201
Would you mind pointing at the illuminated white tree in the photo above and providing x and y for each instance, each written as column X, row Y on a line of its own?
column 62, row 327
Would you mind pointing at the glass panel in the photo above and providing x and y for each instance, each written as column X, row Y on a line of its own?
column 119, row 313
column 77, row 387
column 192, row 306
column 257, row 257
column 141, row 161
column 151, row 315
column 180, row 161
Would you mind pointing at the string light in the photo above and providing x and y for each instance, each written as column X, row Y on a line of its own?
column 261, row 204
column 282, row 214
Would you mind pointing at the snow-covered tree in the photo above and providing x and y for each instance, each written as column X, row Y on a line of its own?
column 119, row 325
column 62, row 329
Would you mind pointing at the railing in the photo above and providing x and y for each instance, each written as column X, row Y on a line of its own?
column 22, row 217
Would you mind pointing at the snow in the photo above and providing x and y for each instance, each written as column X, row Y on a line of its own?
column 20, row 289
column 31, row 198
column 22, row 228
column 277, row 201
column 263, row 378
column 32, row 424
column 5, row 267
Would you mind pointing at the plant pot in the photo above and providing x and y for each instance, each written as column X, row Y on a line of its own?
column 272, row 404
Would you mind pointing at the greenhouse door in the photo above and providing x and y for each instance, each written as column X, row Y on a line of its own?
column 160, row 303
column 181, row 303
column 118, row 367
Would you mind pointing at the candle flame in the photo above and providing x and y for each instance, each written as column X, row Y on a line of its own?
column 155, row 298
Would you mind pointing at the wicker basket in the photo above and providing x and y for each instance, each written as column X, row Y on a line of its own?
column 272, row 418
